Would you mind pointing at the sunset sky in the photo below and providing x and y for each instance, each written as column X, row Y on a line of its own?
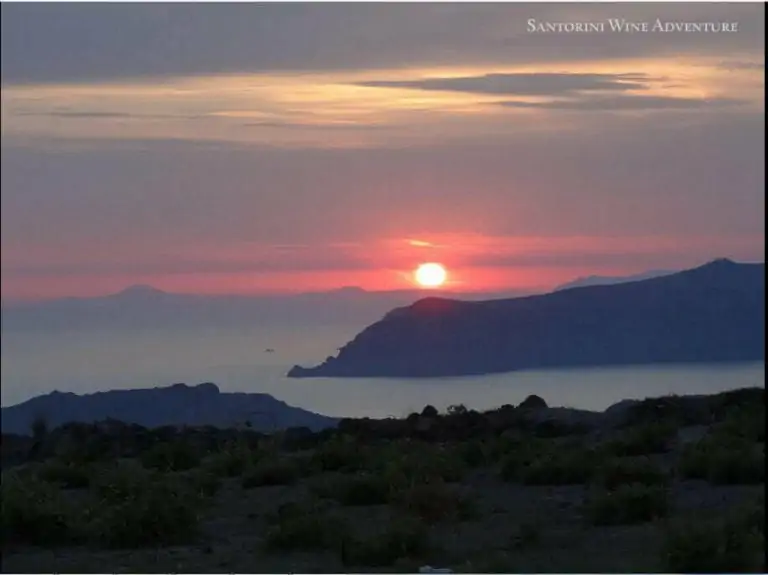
column 292, row 147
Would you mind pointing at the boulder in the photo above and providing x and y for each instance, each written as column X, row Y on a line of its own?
column 533, row 402
column 429, row 411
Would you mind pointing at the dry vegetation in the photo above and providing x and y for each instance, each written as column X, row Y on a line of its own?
column 671, row 490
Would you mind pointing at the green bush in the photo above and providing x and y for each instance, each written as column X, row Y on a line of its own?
column 404, row 540
column 723, row 461
column 746, row 422
column 491, row 562
column 527, row 535
column 672, row 409
column 558, row 470
column 232, row 462
column 36, row 513
column 361, row 490
column 39, row 428
column 274, row 472
column 339, row 454
column 475, row 454
column 753, row 514
column 202, row 482
column 66, row 475
column 146, row 512
column 517, row 455
column 628, row 504
column 171, row 456
column 616, row 472
column 555, row 466
column 301, row 528
column 434, row 502
column 420, row 462
column 645, row 439
column 724, row 545
column 122, row 480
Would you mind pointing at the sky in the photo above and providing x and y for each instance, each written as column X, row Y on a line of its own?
column 244, row 148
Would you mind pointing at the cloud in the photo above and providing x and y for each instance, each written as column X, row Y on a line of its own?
column 174, row 267
column 627, row 102
column 367, row 109
column 98, row 114
column 741, row 65
column 524, row 84
column 62, row 42
column 330, row 126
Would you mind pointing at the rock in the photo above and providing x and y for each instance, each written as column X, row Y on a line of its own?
column 533, row 402
column 429, row 411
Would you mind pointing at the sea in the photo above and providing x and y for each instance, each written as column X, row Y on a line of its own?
column 240, row 359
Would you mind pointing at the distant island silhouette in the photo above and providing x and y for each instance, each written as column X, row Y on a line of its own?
column 606, row 280
column 709, row 314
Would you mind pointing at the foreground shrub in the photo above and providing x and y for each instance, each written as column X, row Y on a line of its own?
column 644, row 439
column 723, row 405
column 491, row 562
column 232, row 462
column 420, row 462
column 361, row 490
column 271, row 472
column 36, row 513
column 304, row 528
column 671, row 409
column 516, row 454
column 745, row 422
column 148, row 510
column 752, row 516
column 120, row 481
column 201, row 482
column 342, row 454
column 435, row 502
column 66, row 475
column 724, row 545
column 171, row 456
column 554, row 467
column 404, row 540
column 628, row 504
column 476, row 453
column 552, row 428
column 616, row 472
column 527, row 535
column 724, row 461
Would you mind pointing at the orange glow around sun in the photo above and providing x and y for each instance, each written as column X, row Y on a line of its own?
column 430, row 275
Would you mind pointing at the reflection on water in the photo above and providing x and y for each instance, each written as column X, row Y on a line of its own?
column 85, row 362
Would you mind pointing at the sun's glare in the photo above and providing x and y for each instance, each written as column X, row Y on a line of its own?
column 430, row 275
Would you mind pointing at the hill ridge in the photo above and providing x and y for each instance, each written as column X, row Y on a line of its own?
column 711, row 313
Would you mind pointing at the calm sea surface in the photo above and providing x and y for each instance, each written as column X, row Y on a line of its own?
column 237, row 360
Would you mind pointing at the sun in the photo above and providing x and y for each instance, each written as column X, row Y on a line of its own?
column 430, row 275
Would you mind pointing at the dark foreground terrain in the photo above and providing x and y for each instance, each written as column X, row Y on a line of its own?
column 665, row 485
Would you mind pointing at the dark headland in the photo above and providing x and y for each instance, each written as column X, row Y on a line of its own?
column 175, row 405
column 710, row 314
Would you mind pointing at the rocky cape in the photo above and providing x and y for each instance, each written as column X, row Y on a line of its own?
column 176, row 405
column 710, row 314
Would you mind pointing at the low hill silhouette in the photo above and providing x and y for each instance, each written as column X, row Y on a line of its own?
column 177, row 405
